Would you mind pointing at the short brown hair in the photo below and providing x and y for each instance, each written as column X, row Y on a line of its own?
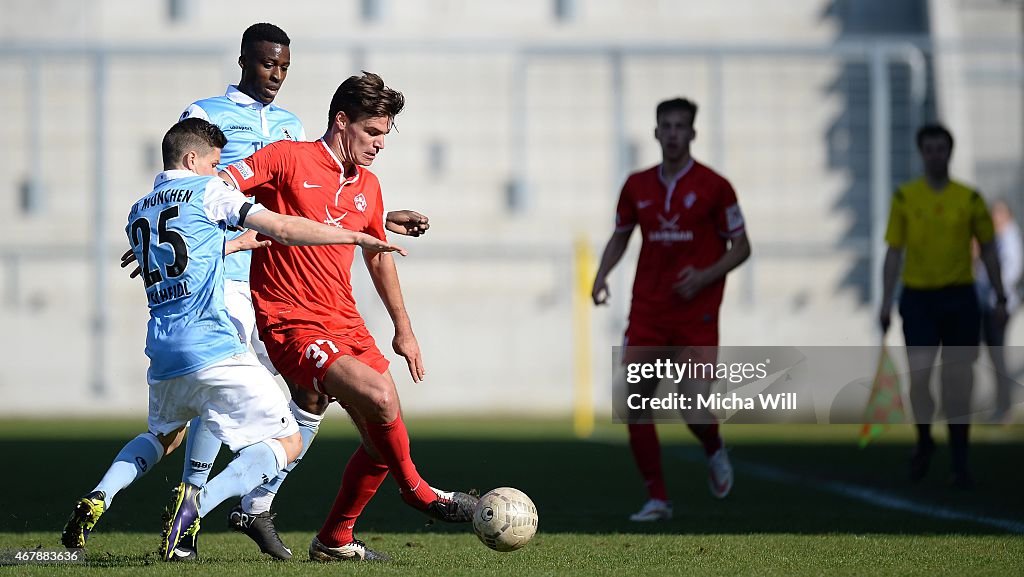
column 682, row 104
column 190, row 134
column 365, row 96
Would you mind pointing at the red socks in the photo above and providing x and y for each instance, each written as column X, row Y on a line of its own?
column 708, row 436
column 359, row 483
column 392, row 443
column 643, row 441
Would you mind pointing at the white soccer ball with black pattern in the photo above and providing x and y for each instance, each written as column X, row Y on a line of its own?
column 505, row 519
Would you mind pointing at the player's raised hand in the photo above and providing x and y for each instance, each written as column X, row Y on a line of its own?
column 600, row 292
column 245, row 242
column 407, row 222
column 127, row 259
column 374, row 244
column 405, row 344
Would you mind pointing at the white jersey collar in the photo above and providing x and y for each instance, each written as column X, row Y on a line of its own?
column 341, row 166
column 670, row 180
column 172, row 175
column 242, row 99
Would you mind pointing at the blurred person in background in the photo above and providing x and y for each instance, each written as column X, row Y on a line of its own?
column 993, row 328
column 932, row 221
column 693, row 235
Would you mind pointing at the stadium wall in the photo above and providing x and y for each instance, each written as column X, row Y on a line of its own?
column 520, row 127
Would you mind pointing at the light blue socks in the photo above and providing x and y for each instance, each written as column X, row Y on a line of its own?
column 262, row 497
column 136, row 459
column 254, row 465
column 201, row 448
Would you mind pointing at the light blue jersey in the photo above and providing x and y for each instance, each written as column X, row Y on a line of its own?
column 177, row 233
column 249, row 125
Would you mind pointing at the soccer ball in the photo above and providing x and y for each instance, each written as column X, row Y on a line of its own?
column 505, row 519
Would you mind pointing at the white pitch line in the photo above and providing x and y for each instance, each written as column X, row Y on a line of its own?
column 871, row 496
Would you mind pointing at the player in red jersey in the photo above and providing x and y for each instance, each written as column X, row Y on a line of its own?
column 693, row 235
column 307, row 315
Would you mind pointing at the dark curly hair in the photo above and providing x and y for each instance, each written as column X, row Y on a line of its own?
column 264, row 32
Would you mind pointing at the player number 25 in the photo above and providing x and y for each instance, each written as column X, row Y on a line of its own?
column 141, row 235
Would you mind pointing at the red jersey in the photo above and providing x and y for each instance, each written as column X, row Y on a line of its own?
column 684, row 223
column 308, row 283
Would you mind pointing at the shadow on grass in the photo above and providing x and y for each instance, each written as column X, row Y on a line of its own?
column 579, row 487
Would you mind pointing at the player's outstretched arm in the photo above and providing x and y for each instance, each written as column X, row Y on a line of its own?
column 246, row 241
column 613, row 252
column 407, row 222
column 297, row 231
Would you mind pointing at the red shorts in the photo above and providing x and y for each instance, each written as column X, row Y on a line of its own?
column 303, row 352
column 658, row 333
column 699, row 338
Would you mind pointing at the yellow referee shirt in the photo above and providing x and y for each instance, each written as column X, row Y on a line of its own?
column 936, row 228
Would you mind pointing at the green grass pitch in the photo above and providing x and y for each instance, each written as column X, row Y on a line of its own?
column 782, row 518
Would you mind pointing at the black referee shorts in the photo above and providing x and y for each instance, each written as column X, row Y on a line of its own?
column 948, row 316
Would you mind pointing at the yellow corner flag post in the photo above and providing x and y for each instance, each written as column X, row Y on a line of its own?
column 583, row 378
column 885, row 405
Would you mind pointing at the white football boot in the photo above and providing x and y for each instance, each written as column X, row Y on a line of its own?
column 653, row 510
column 720, row 474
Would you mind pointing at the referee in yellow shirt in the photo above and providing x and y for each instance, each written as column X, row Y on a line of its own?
column 933, row 220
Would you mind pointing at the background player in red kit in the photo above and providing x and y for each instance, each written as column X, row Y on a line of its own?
column 307, row 315
column 693, row 235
